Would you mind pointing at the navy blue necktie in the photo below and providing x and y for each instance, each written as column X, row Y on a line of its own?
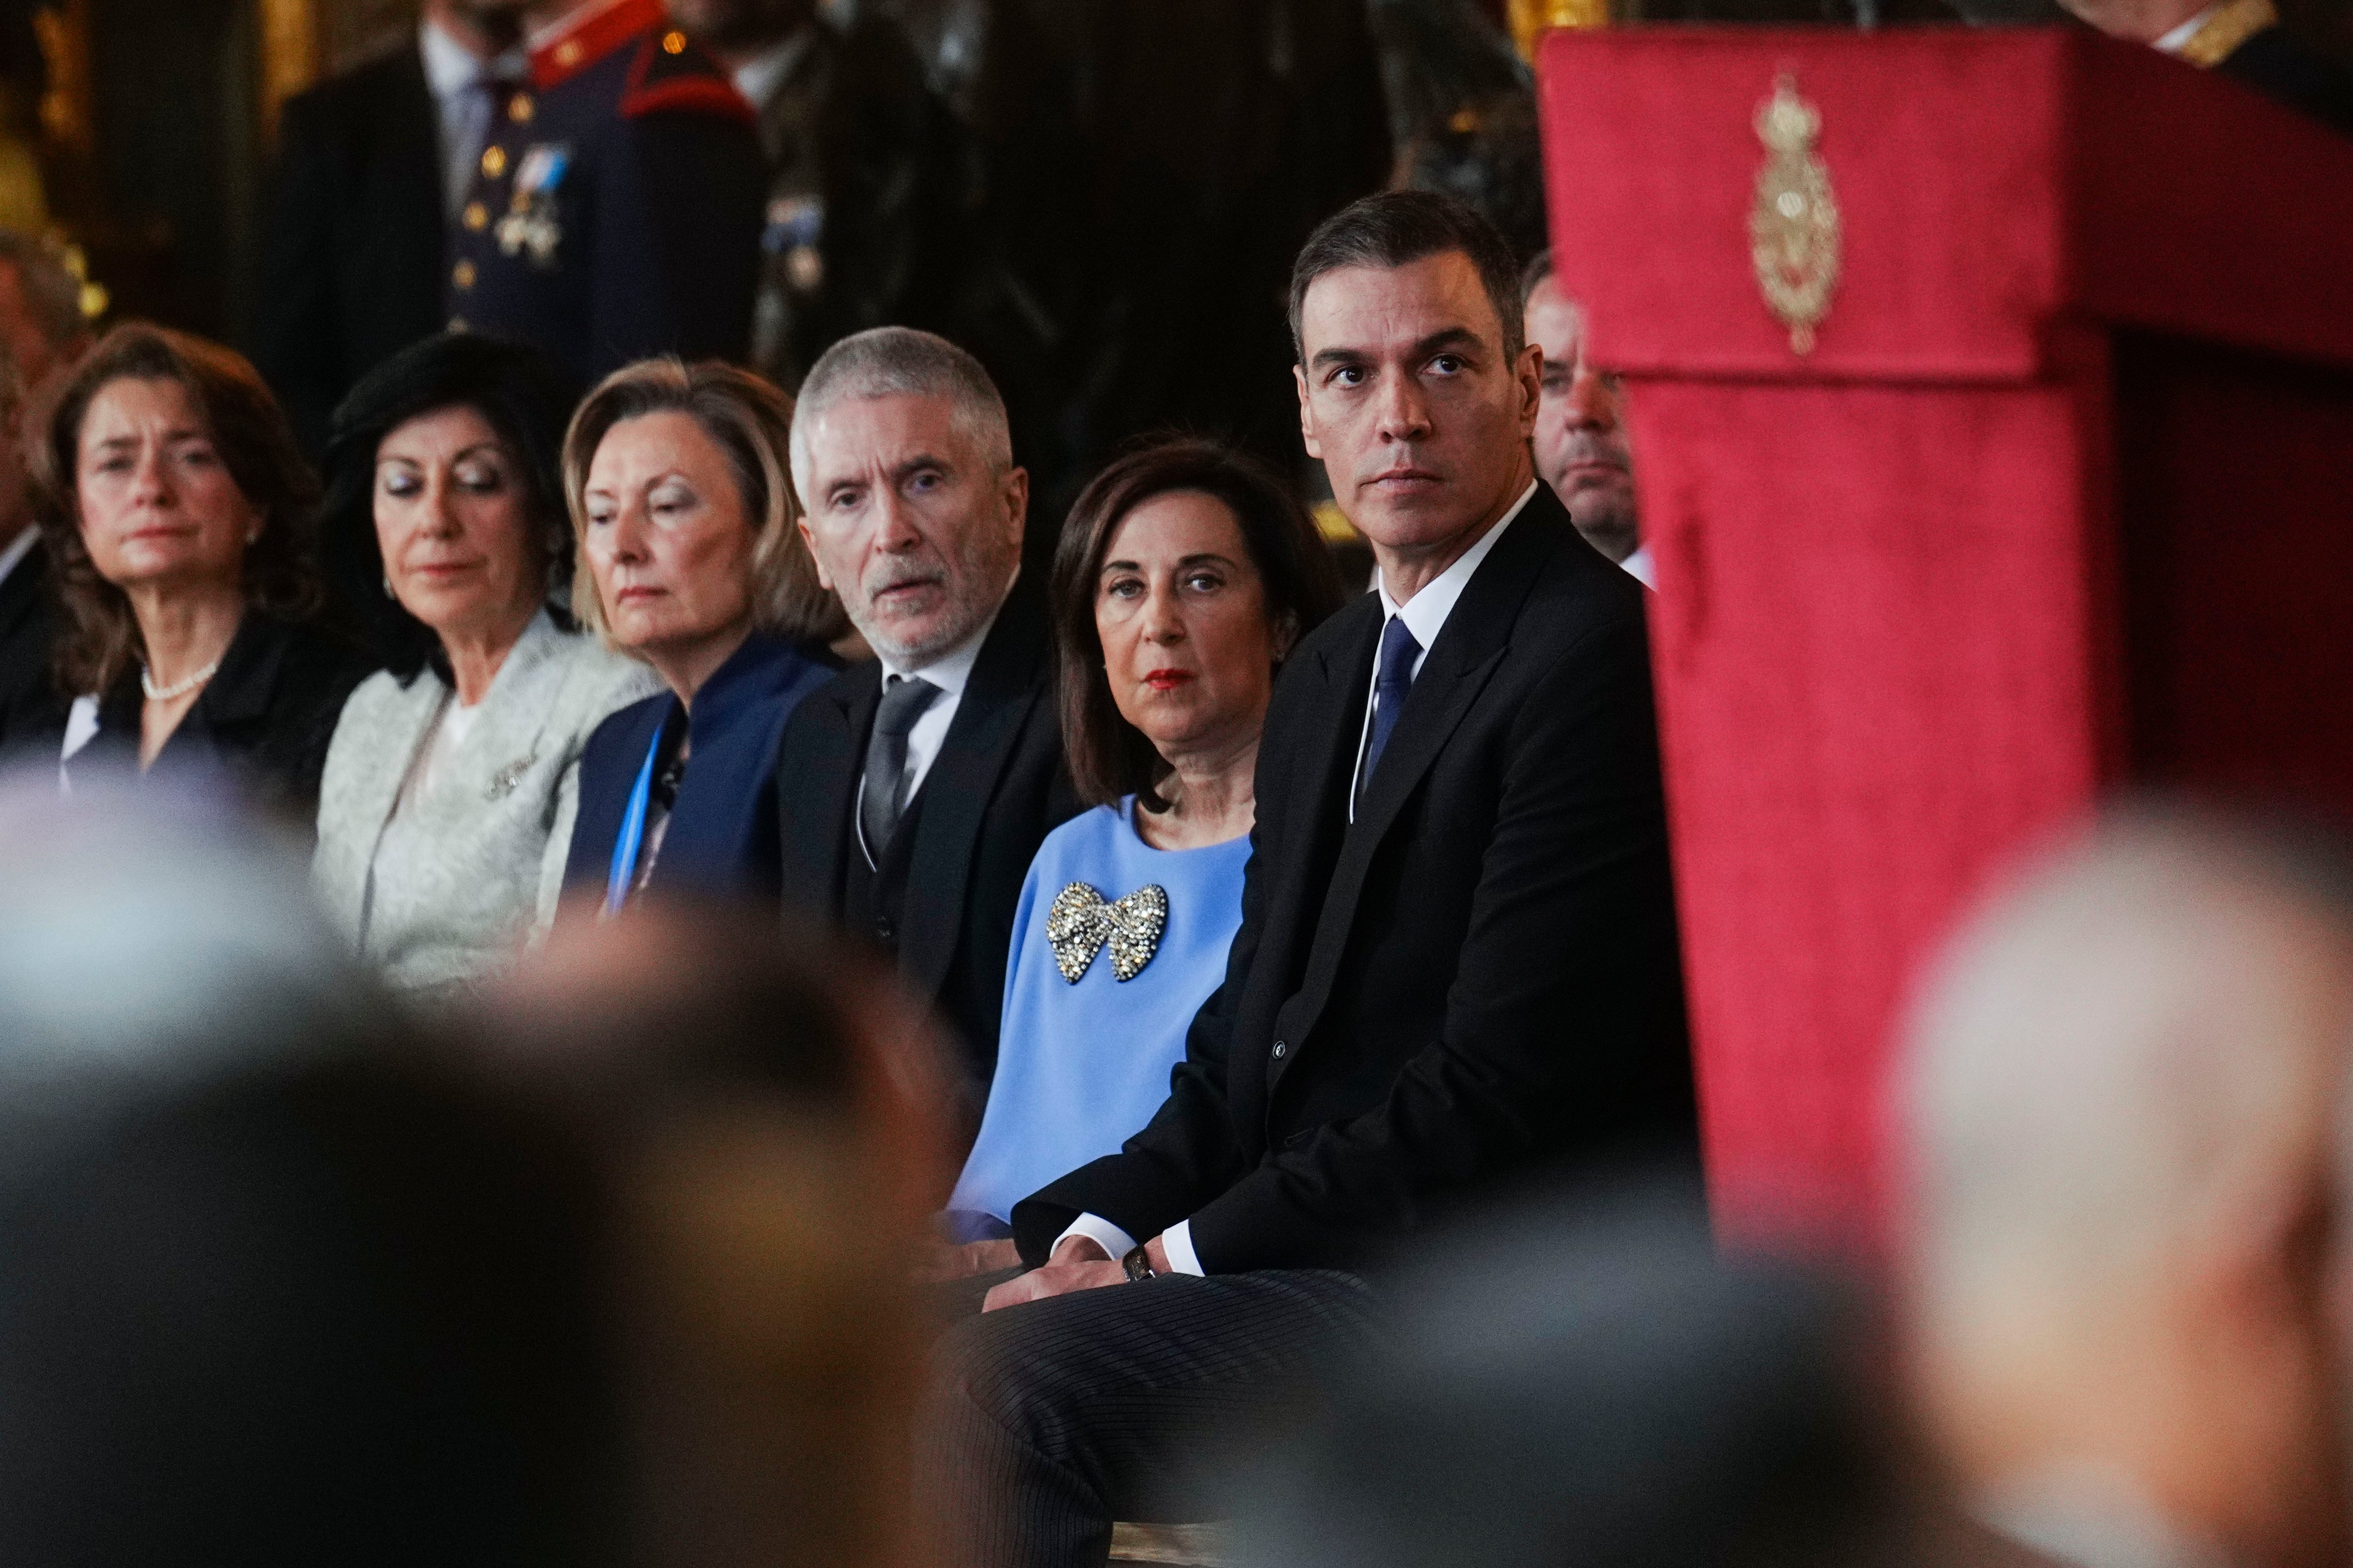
column 1391, row 681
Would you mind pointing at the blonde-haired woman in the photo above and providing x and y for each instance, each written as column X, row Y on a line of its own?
column 690, row 559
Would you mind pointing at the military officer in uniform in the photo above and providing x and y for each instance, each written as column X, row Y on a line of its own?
column 616, row 208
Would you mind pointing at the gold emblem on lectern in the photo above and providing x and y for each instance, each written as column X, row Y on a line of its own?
column 1793, row 229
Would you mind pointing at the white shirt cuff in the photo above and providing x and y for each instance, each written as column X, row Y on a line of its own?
column 1177, row 1241
column 1103, row 1233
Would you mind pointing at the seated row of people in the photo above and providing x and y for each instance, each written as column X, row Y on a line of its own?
column 1443, row 958
column 512, row 748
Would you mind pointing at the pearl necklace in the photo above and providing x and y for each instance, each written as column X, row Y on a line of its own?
column 178, row 689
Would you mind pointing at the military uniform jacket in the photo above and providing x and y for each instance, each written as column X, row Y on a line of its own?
column 616, row 213
column 861, row 220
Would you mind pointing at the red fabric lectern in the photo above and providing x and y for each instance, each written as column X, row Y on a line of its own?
column 2060, row 497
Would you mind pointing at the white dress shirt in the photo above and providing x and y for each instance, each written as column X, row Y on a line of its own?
column 19, row 548
column 2090, row 1516
column 2177, row 40
column 1639, row 567
column 950, row 672
column 1425, row 617
column 452, row 71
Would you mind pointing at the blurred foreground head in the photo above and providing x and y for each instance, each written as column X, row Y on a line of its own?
column 282, row 1283
column 1589, row 1386
column 2121, row 1092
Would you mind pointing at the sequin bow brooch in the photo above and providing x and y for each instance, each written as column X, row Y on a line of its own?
column 1080, row 923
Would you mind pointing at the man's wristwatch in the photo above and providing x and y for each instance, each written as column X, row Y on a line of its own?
column 1138, row 1266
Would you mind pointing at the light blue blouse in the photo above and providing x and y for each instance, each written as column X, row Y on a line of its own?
column 1082, row 1065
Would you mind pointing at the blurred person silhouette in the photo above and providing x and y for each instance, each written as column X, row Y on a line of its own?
column 2118, row 1093
column 42, row 332
column 1187, row 574
column 1582, row 447
column 784, row 1105
column 282, row 1283
column 265, row 1297
column 1585, row 1383
column 683, row 504
column 178, row 518
column 446, row 809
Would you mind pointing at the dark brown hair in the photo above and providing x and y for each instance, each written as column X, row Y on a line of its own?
column 1396, row 229
column 98, row 639
column 751, row 422
column 1108, row 756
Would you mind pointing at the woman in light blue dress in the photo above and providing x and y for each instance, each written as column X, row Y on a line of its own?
column 1186, row 571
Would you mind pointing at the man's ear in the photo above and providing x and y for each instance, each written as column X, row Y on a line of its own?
column 1017, row 500
column 1307, row 414
column 824, row 578
column 1528, row 377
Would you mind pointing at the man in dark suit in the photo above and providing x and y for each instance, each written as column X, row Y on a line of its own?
column 373, row 164
column 1458, row 961
column 913, row 791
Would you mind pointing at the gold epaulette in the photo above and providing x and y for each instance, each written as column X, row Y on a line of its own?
column 2228, row 25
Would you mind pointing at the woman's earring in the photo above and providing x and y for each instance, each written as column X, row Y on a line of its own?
column 387, row 587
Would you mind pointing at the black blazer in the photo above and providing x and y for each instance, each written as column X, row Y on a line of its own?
column 352, row 256
column 29, row 706
column 2277, row 65
column 722, row 837
column 262, row 723
column 1479, row 977
column 998, row 787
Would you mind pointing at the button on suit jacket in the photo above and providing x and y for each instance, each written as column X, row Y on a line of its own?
column 1477, row 978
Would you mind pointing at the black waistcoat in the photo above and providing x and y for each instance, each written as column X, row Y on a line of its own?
column 874, row 897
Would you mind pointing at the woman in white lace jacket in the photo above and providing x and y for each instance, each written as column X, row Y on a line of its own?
column 450, row 786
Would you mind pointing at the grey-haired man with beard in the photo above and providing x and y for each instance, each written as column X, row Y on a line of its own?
column 914, row 790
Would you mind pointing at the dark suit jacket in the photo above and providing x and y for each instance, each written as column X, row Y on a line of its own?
column 998, row 787
column 262, row 725
column 1480, row 976
column 29, row 706
column 351, row 264
column 722, row 837
column 2276, row 65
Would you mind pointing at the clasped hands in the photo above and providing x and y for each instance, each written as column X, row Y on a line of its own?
column 1079, row 1263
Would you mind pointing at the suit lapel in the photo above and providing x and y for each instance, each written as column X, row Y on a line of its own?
column 827, row 785
column 394, row 759
column 962, row 782
column 1469, row 651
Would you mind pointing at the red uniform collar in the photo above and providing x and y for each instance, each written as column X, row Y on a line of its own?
column 583, row 41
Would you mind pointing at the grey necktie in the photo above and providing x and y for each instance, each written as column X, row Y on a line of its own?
column 904, row 698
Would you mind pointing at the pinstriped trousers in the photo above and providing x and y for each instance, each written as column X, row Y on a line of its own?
column 1045, row 1422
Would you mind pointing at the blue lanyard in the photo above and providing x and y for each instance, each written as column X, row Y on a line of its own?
column 633, row 830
